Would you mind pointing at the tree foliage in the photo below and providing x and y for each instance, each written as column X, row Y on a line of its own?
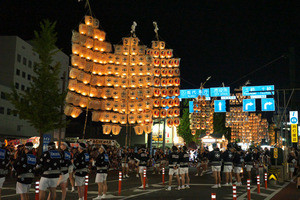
column 40, row 105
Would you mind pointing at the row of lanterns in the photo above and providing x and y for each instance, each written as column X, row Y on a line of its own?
column 122, row 118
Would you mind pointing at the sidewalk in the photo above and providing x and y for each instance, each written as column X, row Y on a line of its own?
column 290, row 192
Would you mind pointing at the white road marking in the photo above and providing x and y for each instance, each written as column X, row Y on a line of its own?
column 140, row 194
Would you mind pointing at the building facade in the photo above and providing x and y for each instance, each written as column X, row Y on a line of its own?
column 17, row 59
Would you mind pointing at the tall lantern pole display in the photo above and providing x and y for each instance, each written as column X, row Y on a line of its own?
column 166, row 82
column 202, row 117
column 116, row 87
column 245, row 127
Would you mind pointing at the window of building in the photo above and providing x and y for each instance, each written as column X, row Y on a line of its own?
column 18, row 72
column 23, row 74
column 24, row 61
column 1, row 110
column 29, row 77
column 15, row 113
column 19, row 58
column 22, row 87
column 29, row 63
column 8, row 111
column 3, row 96
column 17, row 85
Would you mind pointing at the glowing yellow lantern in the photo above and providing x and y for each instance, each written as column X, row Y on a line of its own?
column 116, row 129
column 176, row 122
column 156, row 113
column 176, row 112
column 76, row 49
column 170, row 112
column 164, row 92
column 163, row 113
column 164, row 103
column 156, row 92
column 169, row 53
column 138, row 130
column 193, row 132
column 131, row 118
column 72, row 84
column 170, row 122
column 83, row 29
column 106, row 129
column 156, row 102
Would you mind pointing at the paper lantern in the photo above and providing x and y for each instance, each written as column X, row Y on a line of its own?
column 155, row 53
column 106, row 129
column 140, row 81
column 170, row 122
column 170, row 103
column 162, row 44
column 156, row 102
column 163, row 63
column 89, row 43
column 106, row 93
column 132, row 94
column 138, row 130
column 148, row 104
column 164, row 103
column 156, row 62
column 100, row 35
column 140, row 70
column 170, row 82
column 132, row 70
column 76, row 49
column 169, row 53
column 163, row 113
column 170, row 63
column 156, row 82
column 170, row 112
column 164, row 72
column 176, row 112
column 156, row 92
column 193, row 132
column 141, row 60
column 164, row 92
column 164, row 82
column 170, row 73
column 84, row 77
column 156, row 113
column 74, row 73
column 147, row 128
column 149, row 81
column 116, row 129
column 148, row 116
column 139, row 118
column 176, row 81
column 140, row 106
column 95, row 116
column 94, row 104
column 155, row 44
column 131, row 118
column 163, row 53
column 176, row 101
column 123, row 119
column 75, row 37
column 83, row 29
column 131, row 106
column 171, row 92
column 176, row 62
column 156, row 72
column 115, row 117
column 176, row 92
column 72, row 84
column 134, row 51
column 140, row 94
column 75, row 60
column 148, row 92
column 88, row 20
column 116, row 82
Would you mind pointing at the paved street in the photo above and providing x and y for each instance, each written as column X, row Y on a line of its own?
column 200, row 187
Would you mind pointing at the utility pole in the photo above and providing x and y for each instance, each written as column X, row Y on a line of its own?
column 62, row 107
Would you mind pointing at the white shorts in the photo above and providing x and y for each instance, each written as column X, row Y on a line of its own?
column 157, row 165
column 46, row 183
column 141, row 169
column 173, row 171
column 249, row 168
column 216, row 168
column 227, row 168
column 63, row 178
column 71, row 169
column 184, row 170
column 124, row 164
column 292, row 169
column 237, row 170
column 100, row 177
column 198, row 164
column 2, row 181
column 22, row 188
column 79, row 181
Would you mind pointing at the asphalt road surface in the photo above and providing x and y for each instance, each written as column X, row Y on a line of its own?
column 200, row 188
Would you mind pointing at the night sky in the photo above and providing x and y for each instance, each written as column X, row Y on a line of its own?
column 213, row 38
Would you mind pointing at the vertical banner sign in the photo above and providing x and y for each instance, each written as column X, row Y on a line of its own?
column 294, row 133
column 46, row 141
column 294, row 117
